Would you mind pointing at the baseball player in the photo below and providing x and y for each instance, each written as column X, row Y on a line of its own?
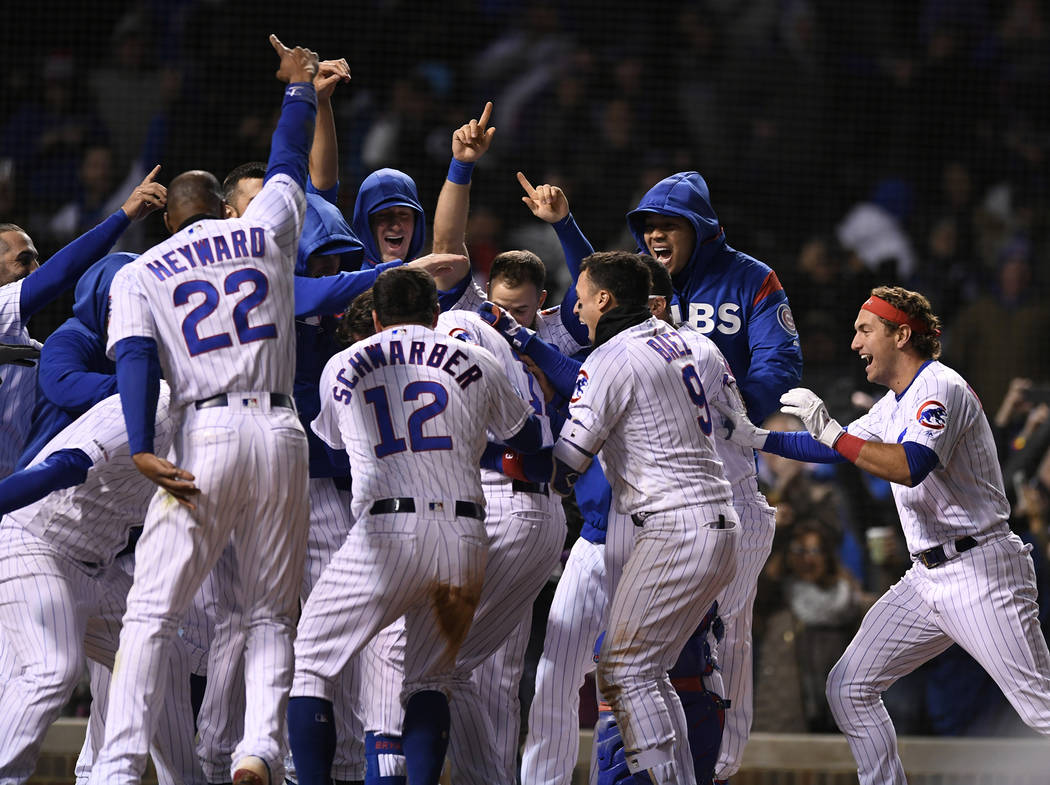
column 26, row 287
column 669, row 479
column 411, row 407
column 215, row 302
column 738, row 302
column 62, row 593
column 972, row 581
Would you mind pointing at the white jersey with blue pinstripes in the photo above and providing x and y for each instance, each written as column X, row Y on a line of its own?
column 550, row 327
column 90, row 522
column 411, row 406
column 18, row 389
column 218, row 299
column 639, row 399
column 964, row 494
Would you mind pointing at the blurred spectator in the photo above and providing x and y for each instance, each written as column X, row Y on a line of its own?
column 872, row 229
column 821, row 607
column 992, row 340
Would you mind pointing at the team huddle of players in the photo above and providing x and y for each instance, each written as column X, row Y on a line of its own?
column 345, row 521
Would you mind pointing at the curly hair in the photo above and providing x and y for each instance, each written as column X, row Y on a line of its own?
column 927, row 344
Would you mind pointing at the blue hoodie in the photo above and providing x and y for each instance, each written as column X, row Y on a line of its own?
column 326, row 231
column 732, row 298
column 381, row 189
column 75, row 373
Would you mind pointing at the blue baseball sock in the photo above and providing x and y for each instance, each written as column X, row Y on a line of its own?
column 384, row 760
column 311, row 735
column 425, row 736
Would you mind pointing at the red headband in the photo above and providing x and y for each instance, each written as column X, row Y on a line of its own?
column 881, row 308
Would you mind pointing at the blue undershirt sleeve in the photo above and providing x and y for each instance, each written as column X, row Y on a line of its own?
column 529, row 439
column 921, row 461
column 573, row 243
column 331, row 294
column 290, row 146
column 138, row 380
column 61, row 469
column 800, row 446
column 62, row 270
column 561, row 371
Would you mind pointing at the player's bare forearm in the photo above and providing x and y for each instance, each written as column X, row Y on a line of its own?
column 178, row 482
column 886, row 461
column 324, row 153
column 450, row 219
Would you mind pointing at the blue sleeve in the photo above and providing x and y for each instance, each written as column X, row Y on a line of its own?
column 330, row 195
column 61, row 469
column 448, row 299
column 567, row 312
column 62, row 270
column 332, row 293
column 776, row 360
column 575, row 246
column 138, row 380
column 290, row 146
column 561, row 371
column 921, row 461
column 64, row 375
column 529, row 439
column 800, row 446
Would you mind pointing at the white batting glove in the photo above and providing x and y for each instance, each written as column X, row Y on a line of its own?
column 734, row 426
column 807, row 406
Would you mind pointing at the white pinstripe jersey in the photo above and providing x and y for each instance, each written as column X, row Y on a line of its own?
column 549, row 327
column 470, row 327
column 18, row 390
column 737, row 461
column 90, row 522
column 639, row 399
column 472, row 297
column 411, row 407
column 218, row 299
column 964, row 493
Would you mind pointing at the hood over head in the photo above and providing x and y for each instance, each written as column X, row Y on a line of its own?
column 91, row 303
column 381, row 189
column 326, row 231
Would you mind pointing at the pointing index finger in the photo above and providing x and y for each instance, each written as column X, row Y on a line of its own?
column 526, row 185
column 485, row 115
column 151, row 175
column 277, row 45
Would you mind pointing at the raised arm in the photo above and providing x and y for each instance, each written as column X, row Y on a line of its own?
column 469, row 143
column 324, row 153
column 64, row 268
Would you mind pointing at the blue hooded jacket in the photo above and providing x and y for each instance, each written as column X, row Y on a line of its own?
column 75, row 373
column 732, row 298
column 325, row 231
column 381, row 189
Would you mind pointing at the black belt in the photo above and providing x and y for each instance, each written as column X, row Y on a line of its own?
column 521, row 486
column 933, row 557
column 408, row 504
column 223, row 399
column 638, row 519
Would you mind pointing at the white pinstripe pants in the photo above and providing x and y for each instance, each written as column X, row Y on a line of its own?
column 679, row 565
column 984, row 600
column 735, row 652
column 577, row 616
column 250, row 465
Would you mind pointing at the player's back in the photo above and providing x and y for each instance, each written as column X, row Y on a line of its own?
column 660, row 454
column 91, row 521
column 413, row 407
column 221, row 297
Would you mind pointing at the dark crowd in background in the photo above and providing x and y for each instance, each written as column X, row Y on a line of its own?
column 845, row 144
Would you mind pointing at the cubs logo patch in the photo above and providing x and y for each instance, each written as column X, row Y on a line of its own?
column 581, row 385
column 932, row 415
column 462, row 335
column 786, row 319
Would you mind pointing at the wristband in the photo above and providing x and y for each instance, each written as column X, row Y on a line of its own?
column 513, row 465
column 848, row 446
column 459, row 172
column 303, row 91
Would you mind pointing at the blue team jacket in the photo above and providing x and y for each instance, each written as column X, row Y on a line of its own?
column 731, row 297
column 75, row 373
